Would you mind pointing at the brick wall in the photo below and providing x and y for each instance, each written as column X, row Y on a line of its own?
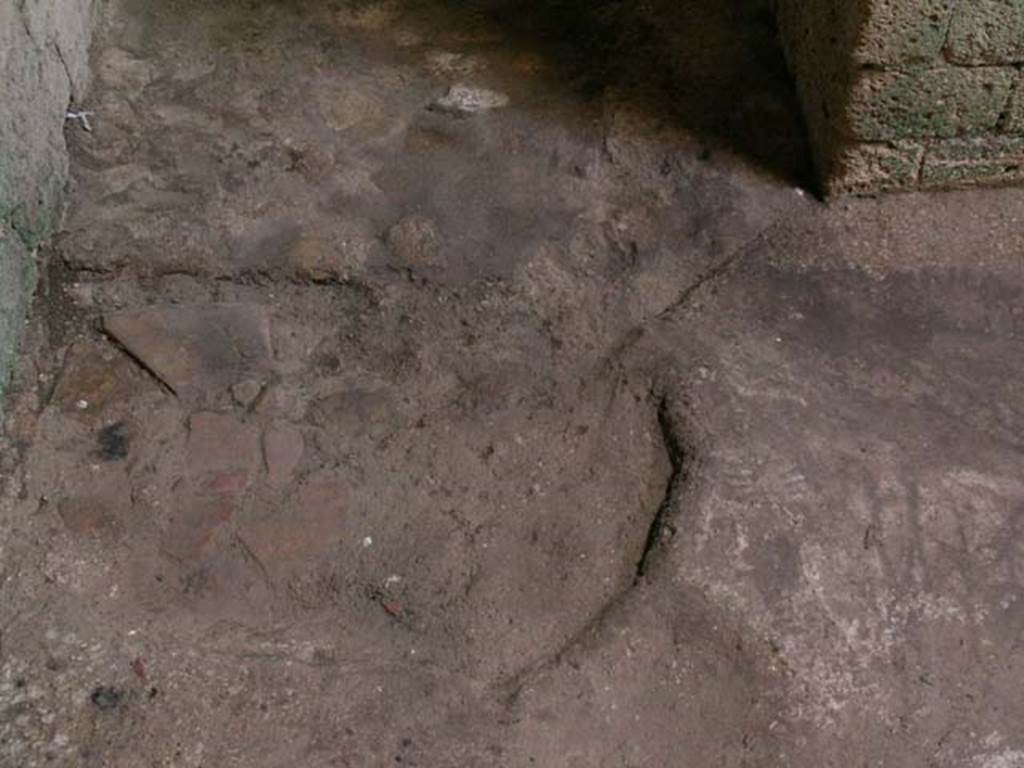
column 905, row 94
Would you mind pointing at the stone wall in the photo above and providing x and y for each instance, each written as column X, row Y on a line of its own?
column 43, row 68
column 905, row 94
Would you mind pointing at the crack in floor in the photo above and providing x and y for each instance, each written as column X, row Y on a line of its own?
column 662, row 524
column 423, row 379
column 678, row 452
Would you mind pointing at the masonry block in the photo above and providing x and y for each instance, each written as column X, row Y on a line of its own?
column 872, row 167
column 968, row 161
column 904, row 94
column 1013, row 123
column 987, row 32
column 933, row 103
column 896, row 33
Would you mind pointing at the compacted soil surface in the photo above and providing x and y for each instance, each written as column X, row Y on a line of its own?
column 447, row 385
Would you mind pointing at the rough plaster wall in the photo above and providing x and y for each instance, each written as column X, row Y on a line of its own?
column 920, row 93
column 43, row 68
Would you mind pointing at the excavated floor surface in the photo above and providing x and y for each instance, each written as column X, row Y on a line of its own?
column 413, row 385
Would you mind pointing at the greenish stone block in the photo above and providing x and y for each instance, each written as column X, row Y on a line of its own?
column 899, row 32
column 946, row 102
column 868, row 168
column 961, row 162
column 17, row 278
column 987, row 32
column 1014, row 122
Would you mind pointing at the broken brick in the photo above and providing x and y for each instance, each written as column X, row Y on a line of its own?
column 283, row 446
column 307, row 529
column 222, row 458
column 223, row 452
column 99, row 376
column 85, row 516
column 195, row 523
column 197, row 351
column 228, row 483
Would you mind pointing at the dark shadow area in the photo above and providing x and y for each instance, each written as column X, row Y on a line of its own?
column 714, row 66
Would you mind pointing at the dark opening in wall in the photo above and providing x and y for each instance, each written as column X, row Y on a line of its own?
column 714, row 67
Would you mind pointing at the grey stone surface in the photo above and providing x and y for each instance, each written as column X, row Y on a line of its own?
column 43, row 67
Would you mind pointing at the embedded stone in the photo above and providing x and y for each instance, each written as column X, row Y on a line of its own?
column 415, row 242
column 85, row 516
column 197, row 351
column 99, row 376
column 222, row 452
column 195, row 524
column 307, row 528
column 463, row 99
column 246, row 392
column 283, row 446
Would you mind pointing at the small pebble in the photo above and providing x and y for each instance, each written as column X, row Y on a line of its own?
column 106, row 697
column 246, row 392
column 465, row 100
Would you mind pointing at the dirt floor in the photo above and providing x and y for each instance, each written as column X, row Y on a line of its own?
column 413, row 385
